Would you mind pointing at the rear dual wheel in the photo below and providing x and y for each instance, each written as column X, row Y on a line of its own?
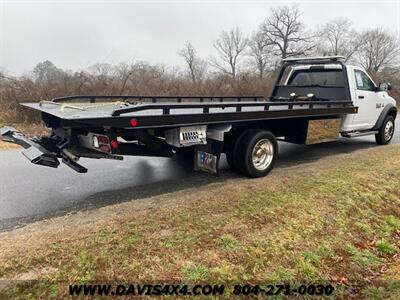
column 253, row 153
column 232, row 150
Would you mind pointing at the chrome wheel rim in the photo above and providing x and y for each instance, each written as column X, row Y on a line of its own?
column 389, row 129
column 262, row 154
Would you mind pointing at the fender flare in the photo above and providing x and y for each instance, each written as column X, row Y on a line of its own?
column 389, row 109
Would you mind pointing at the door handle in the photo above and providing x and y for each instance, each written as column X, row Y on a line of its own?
column 360, row 97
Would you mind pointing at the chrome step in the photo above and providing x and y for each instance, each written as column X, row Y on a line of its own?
column 359, row 133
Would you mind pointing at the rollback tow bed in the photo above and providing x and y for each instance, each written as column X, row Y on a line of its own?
column 132, row 115
column 113, row 126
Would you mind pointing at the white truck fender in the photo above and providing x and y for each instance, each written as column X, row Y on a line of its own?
column 389, row 109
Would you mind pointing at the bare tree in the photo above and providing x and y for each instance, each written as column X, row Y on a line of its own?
column 124, row 71
column 196, row 66
column 284, row 31
column 102, row 73
column 379, row 49
column 46, row 72
column 261, row 54
column 230, row 47
column 337, row 37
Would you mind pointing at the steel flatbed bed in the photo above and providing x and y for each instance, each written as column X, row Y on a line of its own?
column 154, row 112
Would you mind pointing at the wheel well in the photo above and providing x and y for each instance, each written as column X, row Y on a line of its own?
column 387, row 111
column 237, row 131
column 293, row 129
column 392, row 113
column 277, row 127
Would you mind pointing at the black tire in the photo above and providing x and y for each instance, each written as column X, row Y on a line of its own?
column 266, row 142
column 231, row 151
column 386, row 132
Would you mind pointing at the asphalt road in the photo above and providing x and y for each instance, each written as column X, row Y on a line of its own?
column 29, row 192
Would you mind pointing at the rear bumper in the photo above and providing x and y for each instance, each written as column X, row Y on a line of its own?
column 33, row 151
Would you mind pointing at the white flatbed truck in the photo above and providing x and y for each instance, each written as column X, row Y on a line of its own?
column 314, row 100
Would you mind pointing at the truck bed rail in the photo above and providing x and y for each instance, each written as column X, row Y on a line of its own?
column 156, row 99
column 152, row 115
column 166, row 107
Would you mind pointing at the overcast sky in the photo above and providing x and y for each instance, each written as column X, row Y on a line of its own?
column 76, row 34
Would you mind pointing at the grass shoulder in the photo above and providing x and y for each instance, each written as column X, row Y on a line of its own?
column 335, row 220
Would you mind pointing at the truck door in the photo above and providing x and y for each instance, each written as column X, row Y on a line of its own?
column 367, row 100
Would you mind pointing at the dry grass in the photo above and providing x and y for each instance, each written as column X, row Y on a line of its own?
column 7, row 146
column 336, row 220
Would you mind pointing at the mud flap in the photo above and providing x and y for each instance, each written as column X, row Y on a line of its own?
column 206, row 157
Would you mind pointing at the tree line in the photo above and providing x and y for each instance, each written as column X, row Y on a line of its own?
column 242, row 64
column 283, row 35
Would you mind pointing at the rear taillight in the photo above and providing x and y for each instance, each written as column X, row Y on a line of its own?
column 105, row 148
column 101, row 143
column 103, row 139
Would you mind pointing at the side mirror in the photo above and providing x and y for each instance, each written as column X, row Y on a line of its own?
column 384, row 86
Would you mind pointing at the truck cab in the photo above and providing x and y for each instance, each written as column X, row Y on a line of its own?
column 373, row 101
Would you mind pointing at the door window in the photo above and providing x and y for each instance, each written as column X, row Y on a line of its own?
column 363, row 82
